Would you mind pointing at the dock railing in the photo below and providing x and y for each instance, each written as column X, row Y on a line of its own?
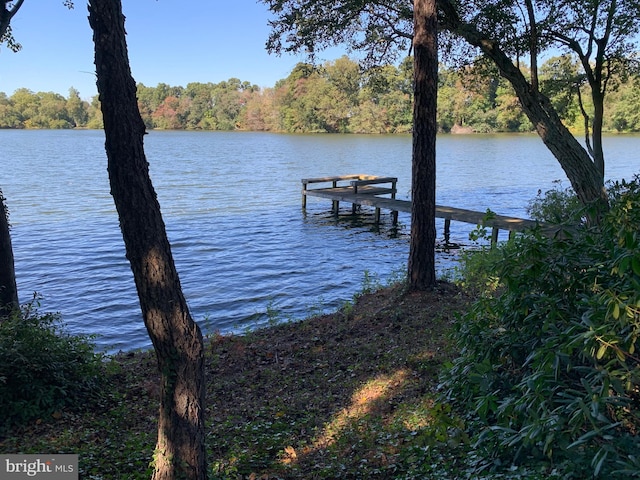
column 357, row 191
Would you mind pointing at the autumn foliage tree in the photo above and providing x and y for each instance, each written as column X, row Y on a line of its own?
column 377, row 100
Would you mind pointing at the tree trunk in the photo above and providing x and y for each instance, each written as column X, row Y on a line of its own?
column 8, row 288
column 598, row 121
column 581, row 171
column 421, row 266
column 176, row 338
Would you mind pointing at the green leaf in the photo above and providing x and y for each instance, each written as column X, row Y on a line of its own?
column 623, row 265
column 635, row 265
column 603, row 455
column 616, row 311
column 630, row 240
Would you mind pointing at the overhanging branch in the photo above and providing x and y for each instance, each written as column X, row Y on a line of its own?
column 7, row 14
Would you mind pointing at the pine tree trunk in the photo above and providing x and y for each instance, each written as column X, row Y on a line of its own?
column 8, row 288
column 176, row 338
column 421, row 267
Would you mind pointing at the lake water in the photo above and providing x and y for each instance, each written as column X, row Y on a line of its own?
column 244, row 249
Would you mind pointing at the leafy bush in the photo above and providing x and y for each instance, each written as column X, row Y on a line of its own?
column 549, row 370
column 43, row 369
column 558, row 206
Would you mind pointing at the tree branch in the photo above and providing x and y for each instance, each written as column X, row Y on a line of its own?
column 533, row 45
column 7, row 14
column 587, row 121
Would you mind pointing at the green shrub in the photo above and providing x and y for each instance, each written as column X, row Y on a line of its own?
column 43, row 369
column 558, row 206
column 549, row 369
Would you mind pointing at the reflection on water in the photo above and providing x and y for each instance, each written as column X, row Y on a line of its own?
column 232, row 206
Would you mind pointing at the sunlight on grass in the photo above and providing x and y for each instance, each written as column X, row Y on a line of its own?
column 414, row 417
column 363, row 402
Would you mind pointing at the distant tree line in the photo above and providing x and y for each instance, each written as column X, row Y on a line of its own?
column 336, row 97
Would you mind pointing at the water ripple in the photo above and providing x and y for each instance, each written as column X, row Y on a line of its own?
column 231, row 204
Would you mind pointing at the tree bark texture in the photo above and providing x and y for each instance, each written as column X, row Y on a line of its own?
column 8, row 288
column 580, row 169
column 177, row 340
column 421, row 266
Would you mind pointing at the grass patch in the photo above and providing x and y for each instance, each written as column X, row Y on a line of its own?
column 342, row 395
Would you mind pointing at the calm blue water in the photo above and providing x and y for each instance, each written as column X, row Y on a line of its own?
column 232, row 206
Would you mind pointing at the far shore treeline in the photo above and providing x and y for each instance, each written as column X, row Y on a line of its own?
column 336, row 97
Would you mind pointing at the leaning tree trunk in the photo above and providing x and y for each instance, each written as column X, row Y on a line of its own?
column 585, row 177
column 176, row 338
column 8, row 288
column 421, row 267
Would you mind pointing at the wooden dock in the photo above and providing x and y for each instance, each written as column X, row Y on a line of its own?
column 380, row 193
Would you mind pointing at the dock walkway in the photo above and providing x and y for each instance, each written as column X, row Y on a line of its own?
column 380, row 193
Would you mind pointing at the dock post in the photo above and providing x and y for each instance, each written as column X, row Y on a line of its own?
column 335, row 204
column 447, row 230
column 494, row 236
column 394, row 214
column 304, row 195
column 354, row 206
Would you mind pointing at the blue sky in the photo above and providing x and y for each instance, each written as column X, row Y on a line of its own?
column 169, row 42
